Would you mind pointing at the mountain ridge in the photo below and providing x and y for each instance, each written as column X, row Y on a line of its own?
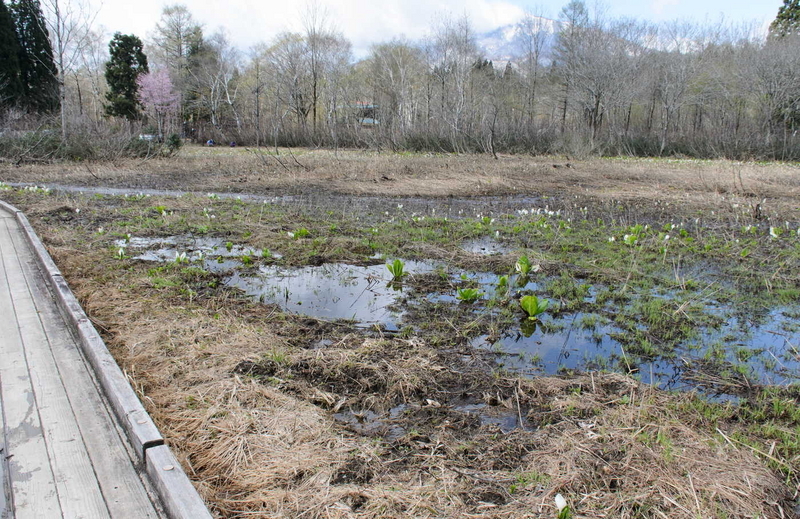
column 505, row 44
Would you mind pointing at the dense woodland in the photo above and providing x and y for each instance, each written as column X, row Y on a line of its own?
column 581, row 84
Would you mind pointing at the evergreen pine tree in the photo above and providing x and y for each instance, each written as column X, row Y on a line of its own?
column 788, row 20
column 37, row 69
column 127, row 63
column 10, row 84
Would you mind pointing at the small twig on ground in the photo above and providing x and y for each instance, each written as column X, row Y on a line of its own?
column 726, row 438
column 90, row 172
column 519, row 409
column 758, row 451
column 264, row 161
column 696, row 499
column 297, row 161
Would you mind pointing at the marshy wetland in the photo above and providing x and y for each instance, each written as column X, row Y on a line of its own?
column 358, row 337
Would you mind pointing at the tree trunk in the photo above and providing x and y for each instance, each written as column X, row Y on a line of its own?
column 80, row 96
column 62, row 96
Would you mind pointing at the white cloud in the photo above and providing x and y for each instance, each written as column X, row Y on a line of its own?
column 660, row 7
column 363, row 22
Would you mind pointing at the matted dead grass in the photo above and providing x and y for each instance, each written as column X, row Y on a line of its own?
column 688, row 184
column 252, row 420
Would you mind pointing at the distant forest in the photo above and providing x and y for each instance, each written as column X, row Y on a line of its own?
column 583, row 84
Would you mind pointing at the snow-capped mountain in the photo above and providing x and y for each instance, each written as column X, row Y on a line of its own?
column 506, row 43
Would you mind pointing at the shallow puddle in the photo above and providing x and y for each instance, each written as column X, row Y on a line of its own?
column 531, row 351
column 486, row 246
column 365, row 294
column 767, row 354
column 332, row 291
column 504, row 419
column 374, row 424
column 387, row 424
column 195, row 247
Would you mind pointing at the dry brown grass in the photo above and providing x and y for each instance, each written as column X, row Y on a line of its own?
column 686, row 183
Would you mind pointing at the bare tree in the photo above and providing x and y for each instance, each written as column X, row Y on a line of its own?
column 255, row 80
column 93, row 56
column 773, row 70
column 315, row 23
column 69, row 25
column 675, row 65
column 454, row 51
column 396, row 69
column 534, row 38
column 215, row 78
column 293, row 85
column 337, row 58
column 574, row 18
column 606, row 57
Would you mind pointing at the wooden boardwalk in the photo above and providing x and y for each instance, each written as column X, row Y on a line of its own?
column 63, row 451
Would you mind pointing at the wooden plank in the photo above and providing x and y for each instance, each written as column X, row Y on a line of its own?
column 138, row 424
column 179, row 497
column 142, row 431
column 5, row 482
column 45, row 261
column 33, row 486
column 7, row 210
column 120, row 482
column 78, row 489
column 5, row 487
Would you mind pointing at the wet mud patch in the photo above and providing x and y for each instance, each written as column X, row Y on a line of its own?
column 70, row 215
column 357, row 470
column 392, row 389
column 582, row 439
column 720, row 378
column 62, row 214
column 377, row 374
column 315, row 334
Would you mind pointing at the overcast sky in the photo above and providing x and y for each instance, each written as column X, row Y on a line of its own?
column 364, row 22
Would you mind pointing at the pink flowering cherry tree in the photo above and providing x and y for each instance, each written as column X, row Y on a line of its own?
column 158, row 97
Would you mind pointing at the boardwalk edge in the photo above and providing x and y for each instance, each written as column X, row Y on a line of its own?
column 178, row 495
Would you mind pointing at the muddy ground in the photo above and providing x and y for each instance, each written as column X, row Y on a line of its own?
column 691, row 184
column 277, row 413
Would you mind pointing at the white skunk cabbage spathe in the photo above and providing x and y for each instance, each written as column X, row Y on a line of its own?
column 561, row 503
